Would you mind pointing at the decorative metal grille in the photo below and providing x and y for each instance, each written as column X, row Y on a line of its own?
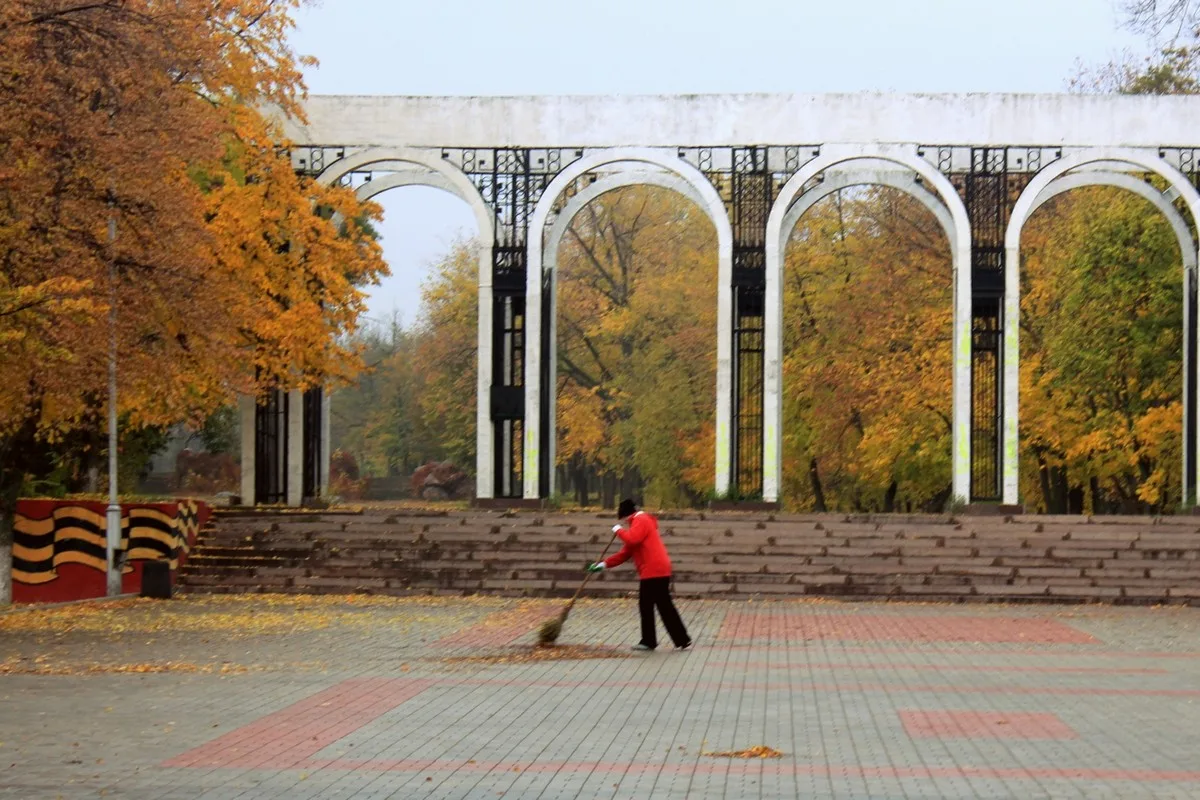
column 270, row 449
column 748, row 377
column 748, row 180
column 989, row 180
column 508, row 399
column 1185, row 159
column 752, row 190
column 511, row 181
column 314, row 159
column 986, row 391
column 314, row 399
column 988, row 207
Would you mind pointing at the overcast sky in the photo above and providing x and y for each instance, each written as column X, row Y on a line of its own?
column 489, row 47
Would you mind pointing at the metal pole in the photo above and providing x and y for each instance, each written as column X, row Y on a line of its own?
column 113, row 543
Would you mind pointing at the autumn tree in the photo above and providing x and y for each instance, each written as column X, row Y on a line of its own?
column 867, row 356
column 134, row 118
column 636, row 350
column 418, row 402
column 1101, row 375
column 1172, row 20
column 1172, row 65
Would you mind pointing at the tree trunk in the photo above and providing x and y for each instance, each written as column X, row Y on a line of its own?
column 1061, row 490
column 937, row 504
column 609, row 490
column 581, row 482
column 8, row 514
column 19, row 455
column 1098, row 504
column 1044, row 478
column 1075, row 500
column 818, row 493
column 889, row 499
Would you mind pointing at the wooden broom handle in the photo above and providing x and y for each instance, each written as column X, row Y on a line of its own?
column 588, row 577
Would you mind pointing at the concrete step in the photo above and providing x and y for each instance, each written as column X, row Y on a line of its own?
column 1068, row 559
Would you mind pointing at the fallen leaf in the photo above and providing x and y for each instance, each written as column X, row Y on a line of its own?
column 757, row 751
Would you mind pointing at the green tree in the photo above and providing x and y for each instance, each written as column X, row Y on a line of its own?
column 1101, row 382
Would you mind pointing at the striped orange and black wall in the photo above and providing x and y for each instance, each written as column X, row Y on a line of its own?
column 59, row 548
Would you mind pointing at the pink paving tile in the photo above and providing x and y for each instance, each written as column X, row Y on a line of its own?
column 493, row 636
column 754, row 766
column 295, row 734
column 1046, row 669
column 893, row 627
column 496, row 629
column 984, row 725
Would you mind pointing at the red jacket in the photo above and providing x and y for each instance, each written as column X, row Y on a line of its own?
column 644, row 544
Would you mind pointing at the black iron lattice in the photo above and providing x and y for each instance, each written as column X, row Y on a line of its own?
column 270, row 449
column 314, row 400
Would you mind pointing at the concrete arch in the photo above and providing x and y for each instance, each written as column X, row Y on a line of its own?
column 620, row 180
column 443, row 175
column 1026, row 204
column 664, row 180
column 1137, row 186
column 902, row 182
column 711, row 202
column 397, row 180
column 905, row 156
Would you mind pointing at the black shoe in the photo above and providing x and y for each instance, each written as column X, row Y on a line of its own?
column 643, row 647
column 686, row 646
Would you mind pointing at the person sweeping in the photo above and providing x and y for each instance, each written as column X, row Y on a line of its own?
column 639, row 532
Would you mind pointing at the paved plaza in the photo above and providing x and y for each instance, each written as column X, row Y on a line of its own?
column 336, row 697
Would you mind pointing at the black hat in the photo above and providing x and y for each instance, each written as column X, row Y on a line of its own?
column 626, row 508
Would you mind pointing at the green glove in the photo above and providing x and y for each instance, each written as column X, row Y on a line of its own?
column 597, row 567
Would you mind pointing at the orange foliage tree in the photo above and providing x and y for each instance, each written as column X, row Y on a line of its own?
column 139, row 114
column 867, row 356
column 1101, row 372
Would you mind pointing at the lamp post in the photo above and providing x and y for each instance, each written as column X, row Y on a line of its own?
column 113, row 539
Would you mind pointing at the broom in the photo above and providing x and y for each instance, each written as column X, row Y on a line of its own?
column 551, row 628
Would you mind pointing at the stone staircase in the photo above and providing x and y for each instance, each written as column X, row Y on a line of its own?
column 715, row 554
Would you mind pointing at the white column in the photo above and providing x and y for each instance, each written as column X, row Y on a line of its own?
column 1188, row 289
column 1191, row 277
column 295, row 448
column 773, row 366
column 485, row 478
column 725, row 387
column 1010, row 489
column 246, row 410
column 960, row 427
column 552, row 445
column 533, row 374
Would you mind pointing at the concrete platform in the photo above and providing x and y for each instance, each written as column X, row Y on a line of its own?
column 379, row 697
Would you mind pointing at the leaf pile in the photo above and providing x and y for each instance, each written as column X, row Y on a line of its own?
column 528, row 654
column 234, row 616
column 41, row 667
column 758, row 751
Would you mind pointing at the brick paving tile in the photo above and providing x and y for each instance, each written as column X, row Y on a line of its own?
column 348, row 697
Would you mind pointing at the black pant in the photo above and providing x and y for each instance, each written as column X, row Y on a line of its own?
column 657, row 592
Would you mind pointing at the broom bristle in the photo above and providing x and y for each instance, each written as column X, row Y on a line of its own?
column 548, row 633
